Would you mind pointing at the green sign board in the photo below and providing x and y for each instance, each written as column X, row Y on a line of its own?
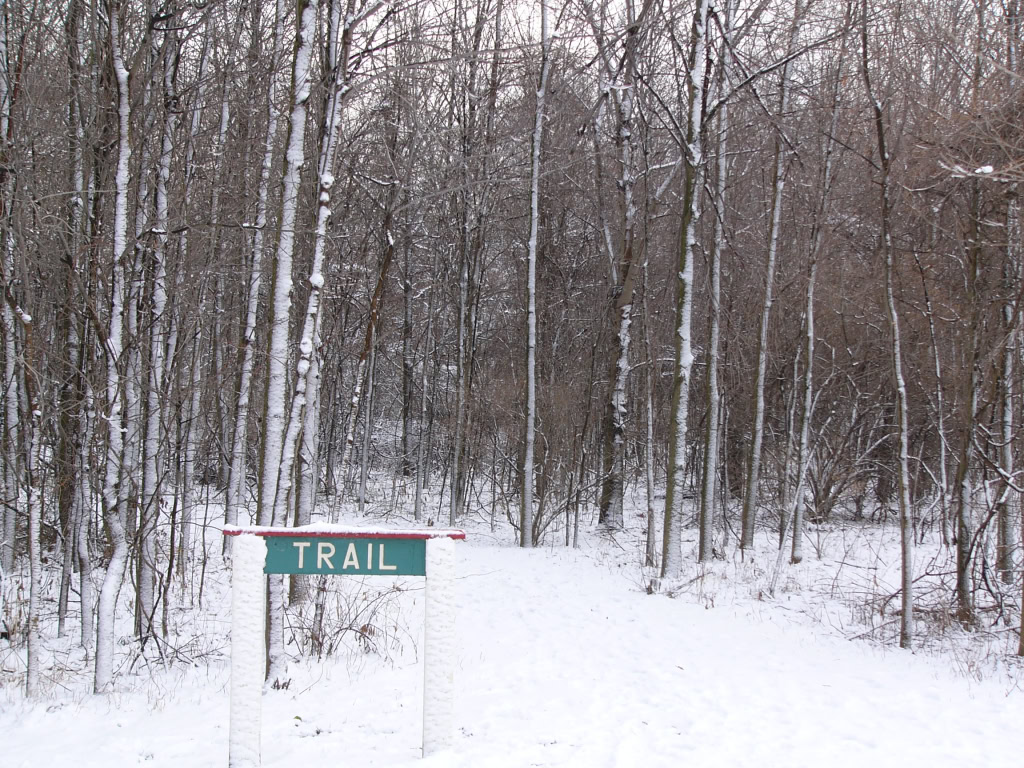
column 342, row 556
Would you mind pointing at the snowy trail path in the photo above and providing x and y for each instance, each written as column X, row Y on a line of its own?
column 564, row 662
column 622, row 679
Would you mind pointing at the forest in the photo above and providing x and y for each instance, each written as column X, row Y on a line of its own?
column 755, row 262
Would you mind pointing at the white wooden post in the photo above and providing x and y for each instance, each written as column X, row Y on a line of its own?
column 439, row 646
column 248, row 608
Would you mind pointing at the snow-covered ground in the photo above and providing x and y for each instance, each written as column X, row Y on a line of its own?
column 563, row 660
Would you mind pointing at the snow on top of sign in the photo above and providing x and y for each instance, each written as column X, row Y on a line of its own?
column 350, row 531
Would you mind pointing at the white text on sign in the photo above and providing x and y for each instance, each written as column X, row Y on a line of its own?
column 326, row 552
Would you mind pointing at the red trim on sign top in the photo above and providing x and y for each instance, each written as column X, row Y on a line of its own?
column 442, row 533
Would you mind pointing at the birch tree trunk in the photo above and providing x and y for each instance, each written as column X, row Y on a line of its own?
column 86, row 249
column 461, row 390
column 22, row 363
column 1004, row 514
column 152, row 486
column 1011, row 277
column 803, row 447
column 237, row 481
column 693, row 161
column 422, row 468
column 940, row 410
column 270, row 506
column 136, row 374
column 408, row 365
column 364, row 458
column 11, row 463
column 526, row 521
column 710, row 469
column 33, row 489
column 275, row 393
column 970, row 398
column 1013, row 227
column 308, row 475
column 307, row 373
column 112, row 508
column 87, row 598
column 1020, row 645
column 613, row 480
column 650, row 545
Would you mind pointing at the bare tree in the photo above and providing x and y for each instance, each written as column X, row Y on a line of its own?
column 713, row 426
column 778, row 185
column 693, row 162
column 526, row 520
column 114, row 347
column 272, row 448
column 902, row 430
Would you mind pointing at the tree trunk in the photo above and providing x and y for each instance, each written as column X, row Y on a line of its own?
column 270, row 507
column 940, row 409
column 903, row 479
column 152, row 485
column 1009, row 351
column 112, row 508
column 526, row 521
column 70, row 443
column 374, row 309
column 84, row 560
column 1004, row 555
column 307, row 374
column 11, row 463
column 237, row 483
column 468, row 205
column 364, row 458
column 1005, row 507
column 408, row 362
column 650, row 545
column 705, row 547
column 796, row 511
column 422, row 458
column 693, row 160
column 189, row 393
column 817, row 245
column 778, row 183
column 33, row 487
column 962, row 481
column 614, row 427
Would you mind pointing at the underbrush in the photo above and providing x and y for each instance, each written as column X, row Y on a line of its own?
column 848, row 585
column 344, row 619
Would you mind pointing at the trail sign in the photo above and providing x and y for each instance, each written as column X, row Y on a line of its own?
column 346, row 556
column 327, row 549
